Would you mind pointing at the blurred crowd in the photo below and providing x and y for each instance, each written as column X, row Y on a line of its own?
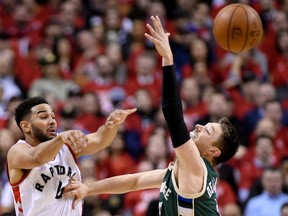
column 89, row 57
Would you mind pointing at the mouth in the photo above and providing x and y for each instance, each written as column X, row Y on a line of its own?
column 52, row 131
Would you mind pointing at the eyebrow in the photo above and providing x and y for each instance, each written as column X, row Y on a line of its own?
column 41, row 111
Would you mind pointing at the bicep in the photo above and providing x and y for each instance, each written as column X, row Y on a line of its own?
column 188, row 157
column 21, row 157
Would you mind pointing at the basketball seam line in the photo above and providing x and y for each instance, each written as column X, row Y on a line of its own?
column 228, row 44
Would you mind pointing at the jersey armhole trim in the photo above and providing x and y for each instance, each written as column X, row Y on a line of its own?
column 195, row 195
column 72, row 152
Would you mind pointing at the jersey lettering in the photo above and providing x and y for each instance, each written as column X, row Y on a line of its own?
column 53, row 172
column 45, row 178
column 211, row 187
column 60, row 170
column 39, row 187
column 165, row 190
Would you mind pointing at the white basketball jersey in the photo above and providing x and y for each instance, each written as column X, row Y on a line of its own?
column 39, row 191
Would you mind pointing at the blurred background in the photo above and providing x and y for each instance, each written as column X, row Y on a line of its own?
column 90, row 57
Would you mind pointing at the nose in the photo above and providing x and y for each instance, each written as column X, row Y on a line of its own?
column 52, row 121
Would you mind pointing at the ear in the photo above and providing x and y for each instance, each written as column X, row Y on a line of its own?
column 25, row 126
column 214, row 151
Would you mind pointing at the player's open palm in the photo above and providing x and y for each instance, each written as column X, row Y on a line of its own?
column 118, row 116
column 158, row 37
column 76, row 190
column 75, row 138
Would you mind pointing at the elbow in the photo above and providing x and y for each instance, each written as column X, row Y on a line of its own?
column 130, row 183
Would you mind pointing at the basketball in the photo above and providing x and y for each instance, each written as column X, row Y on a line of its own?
column 237, row 28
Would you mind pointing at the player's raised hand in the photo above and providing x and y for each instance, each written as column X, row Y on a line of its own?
column 118, row 116
column 76, row 190
column 75, row 139
column 159, row 37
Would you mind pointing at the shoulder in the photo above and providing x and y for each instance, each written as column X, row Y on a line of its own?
column 18, row 146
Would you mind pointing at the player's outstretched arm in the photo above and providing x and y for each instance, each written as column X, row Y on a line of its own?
column 171, row 101
column 104, row 136
column 186, row 150
column 114, row 185
column 22, row 156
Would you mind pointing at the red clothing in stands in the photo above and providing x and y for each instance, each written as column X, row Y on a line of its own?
column 225, row 194
column 120, row 164
column 138, row 201
column 90, row 122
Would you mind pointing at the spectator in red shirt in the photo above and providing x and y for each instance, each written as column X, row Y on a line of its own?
column 147, row 77
column 91, row 116
column 225, row 194
column 193, row 106
column 137, row 202
column 251, row 168
column 119, row 161
column 279, row 67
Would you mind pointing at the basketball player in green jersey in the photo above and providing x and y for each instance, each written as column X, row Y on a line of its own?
column 188, row 185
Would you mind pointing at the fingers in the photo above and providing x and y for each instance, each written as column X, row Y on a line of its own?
column 157, row 25
column 158, row 30
column 118, row 117
column 129, row 111
column 75, row 203
column 73, row 191
column 73, row 185
column 152, row 32
column 76, row 139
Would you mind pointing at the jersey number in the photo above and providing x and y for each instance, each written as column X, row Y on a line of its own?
column 60, row 190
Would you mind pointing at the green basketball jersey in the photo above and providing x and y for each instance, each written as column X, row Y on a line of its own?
column 204, row 203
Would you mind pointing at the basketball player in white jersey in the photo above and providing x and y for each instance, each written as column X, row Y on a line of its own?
column 41, row 165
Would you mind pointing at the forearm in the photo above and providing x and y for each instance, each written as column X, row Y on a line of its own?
column 114, row 185
column 126, row 183
column 170, row 90
column 99, row 140
column 172, row 108
column 45, row 151
column 104, row 136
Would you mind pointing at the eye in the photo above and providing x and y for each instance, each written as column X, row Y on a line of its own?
column 207, row 131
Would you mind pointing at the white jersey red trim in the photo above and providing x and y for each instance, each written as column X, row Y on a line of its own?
column 39, row 191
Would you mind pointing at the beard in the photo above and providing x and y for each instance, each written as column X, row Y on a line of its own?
column 38, row 134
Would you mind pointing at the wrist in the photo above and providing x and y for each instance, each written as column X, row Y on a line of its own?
column 167, row 60
column 60, row 138
column 88, row 189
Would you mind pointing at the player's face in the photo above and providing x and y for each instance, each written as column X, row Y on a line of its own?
column 205, row 135
column 43, row 123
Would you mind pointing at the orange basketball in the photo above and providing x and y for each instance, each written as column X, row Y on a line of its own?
column 237, row 28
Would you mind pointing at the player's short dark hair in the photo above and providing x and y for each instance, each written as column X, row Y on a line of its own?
column 228, row 142
column 23, row 110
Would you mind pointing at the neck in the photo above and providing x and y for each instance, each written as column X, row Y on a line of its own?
column 31, row 141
